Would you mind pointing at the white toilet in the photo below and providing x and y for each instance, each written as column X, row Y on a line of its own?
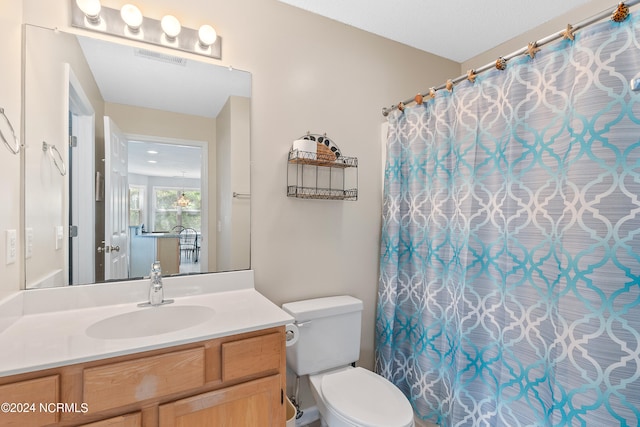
column 328, row 343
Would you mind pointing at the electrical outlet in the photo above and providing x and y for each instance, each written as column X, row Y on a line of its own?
column 12, row 246
column 29, row 242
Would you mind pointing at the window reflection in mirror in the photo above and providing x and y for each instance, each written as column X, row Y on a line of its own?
column 124, row 105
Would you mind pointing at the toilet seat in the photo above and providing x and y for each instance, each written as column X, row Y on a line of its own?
column 366, row 399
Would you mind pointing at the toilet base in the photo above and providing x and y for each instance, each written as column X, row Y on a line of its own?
column 309, row 415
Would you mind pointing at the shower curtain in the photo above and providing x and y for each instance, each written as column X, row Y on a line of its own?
column 509, row 290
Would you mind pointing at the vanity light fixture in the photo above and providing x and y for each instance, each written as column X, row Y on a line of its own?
column 131, row 16
column 129, row 23
column 207, row 36
column 90, row 9
column 171, row 27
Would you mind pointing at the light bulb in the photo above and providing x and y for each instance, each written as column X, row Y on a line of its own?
column 91, row 9
column 131, row 16
column 171, row 26
column 207, row 36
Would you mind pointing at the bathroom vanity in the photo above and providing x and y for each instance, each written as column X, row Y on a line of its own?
column 105, row 365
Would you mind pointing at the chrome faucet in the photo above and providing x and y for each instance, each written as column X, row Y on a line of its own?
column 156, row 290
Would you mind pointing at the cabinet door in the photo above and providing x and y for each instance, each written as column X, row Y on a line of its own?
column 22, row 402
column 168, row 253
column 254, row 403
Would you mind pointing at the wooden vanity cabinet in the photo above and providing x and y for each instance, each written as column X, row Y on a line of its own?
column 231, row 381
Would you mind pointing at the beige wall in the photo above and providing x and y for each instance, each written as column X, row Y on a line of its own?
column 240, row 243
column 47, row 204
column 10, row 100
column 163, row 124
column 232, row 221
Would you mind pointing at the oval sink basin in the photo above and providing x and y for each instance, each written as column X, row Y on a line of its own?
column 149, row 321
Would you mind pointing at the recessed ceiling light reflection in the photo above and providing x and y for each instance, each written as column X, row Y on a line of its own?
column 151, row 161
column 152, row 152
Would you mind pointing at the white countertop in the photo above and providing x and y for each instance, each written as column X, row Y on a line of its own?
column 49, row 333
column 158, row 235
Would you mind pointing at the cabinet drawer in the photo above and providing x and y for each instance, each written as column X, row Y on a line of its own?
column 27, row 397
column 129, row 420
column 124, row 383
column 251, row 356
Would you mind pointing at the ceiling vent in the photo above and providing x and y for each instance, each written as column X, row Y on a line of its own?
column 162, row 57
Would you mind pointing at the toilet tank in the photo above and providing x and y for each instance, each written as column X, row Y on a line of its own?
column 329, row 333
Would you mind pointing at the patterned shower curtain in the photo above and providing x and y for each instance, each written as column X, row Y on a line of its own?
column 509, row 291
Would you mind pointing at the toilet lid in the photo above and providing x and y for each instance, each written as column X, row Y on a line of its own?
column 366, row 398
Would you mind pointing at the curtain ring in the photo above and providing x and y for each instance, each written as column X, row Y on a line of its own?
column 471, row 75
column 621, row 13
column 568, row 33
column 15, row 150
column 449, row 85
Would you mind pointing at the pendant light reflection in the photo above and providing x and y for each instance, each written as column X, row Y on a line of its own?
column 182, row 201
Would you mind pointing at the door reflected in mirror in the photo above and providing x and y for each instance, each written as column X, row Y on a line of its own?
column 156, row 146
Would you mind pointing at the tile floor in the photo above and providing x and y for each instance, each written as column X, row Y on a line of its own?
column 420, row 423
column 187, row 267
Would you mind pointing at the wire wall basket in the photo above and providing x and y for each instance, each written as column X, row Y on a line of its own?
column 316, row 169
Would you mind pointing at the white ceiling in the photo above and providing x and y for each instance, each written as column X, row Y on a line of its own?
column 144, row 78
column 139, row 77
column 150, row 158
column 454, row 29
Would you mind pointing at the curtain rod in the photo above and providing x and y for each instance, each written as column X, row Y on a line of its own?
column 534, row 45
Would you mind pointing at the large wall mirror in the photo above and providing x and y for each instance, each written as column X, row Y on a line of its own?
column 131, row 155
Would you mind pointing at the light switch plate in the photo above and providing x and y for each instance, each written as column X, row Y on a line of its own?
column 12, row 246
column 59, row 230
